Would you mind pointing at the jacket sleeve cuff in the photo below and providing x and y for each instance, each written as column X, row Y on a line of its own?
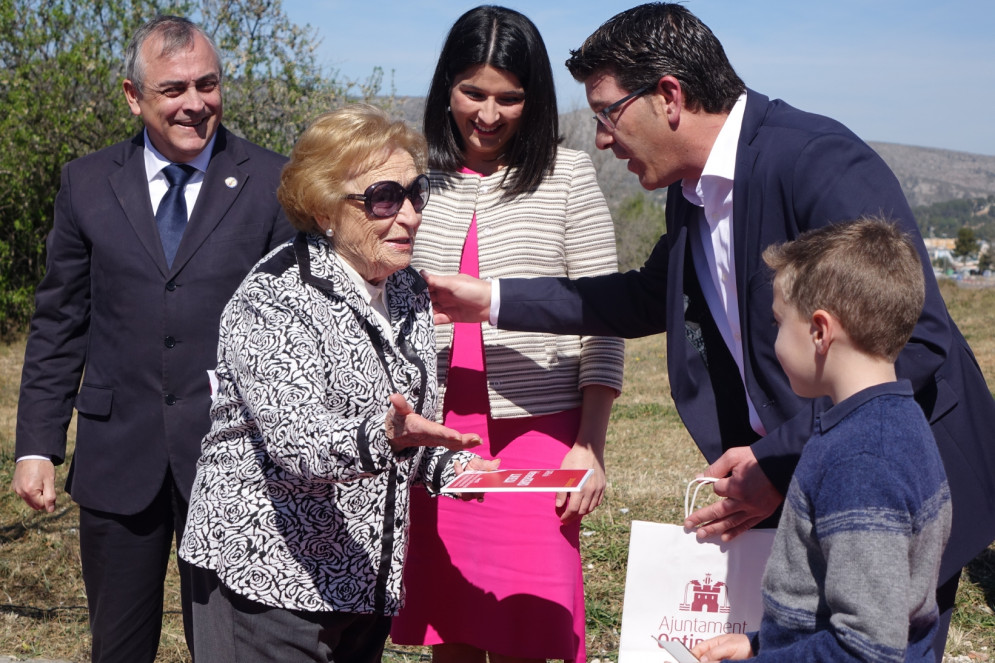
column 778, row 451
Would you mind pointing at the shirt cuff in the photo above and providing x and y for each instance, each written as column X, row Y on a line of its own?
column 495, row 301
column 32, row 457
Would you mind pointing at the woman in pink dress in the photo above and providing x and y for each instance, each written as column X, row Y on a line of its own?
column 502, row 578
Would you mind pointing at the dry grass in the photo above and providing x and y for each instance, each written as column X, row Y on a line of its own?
column 649, row 455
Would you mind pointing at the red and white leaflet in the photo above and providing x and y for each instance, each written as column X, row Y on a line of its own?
column 536, row 481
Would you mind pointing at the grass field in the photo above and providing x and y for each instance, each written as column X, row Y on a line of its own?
column 649, row 457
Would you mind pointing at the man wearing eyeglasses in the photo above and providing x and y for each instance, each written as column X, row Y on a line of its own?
column 151, row 237
column 743, row 172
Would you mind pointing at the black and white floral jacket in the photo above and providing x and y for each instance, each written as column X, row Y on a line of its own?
column 299, row 501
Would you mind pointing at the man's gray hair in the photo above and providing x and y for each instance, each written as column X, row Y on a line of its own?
column 176, row 33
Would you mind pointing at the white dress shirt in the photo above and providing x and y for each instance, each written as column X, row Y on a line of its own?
column 712, row 240
column 711, row 243
column 374, row 295
column 158, row 185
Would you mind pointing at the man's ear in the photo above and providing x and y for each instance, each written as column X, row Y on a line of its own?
column 131, row 94
column 672, row 98
column 823, row 330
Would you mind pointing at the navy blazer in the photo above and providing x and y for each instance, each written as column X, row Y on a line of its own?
column 139, row 335
column 794, row 171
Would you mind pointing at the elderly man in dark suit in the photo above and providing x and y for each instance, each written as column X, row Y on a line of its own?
column 151, row 237
column 743, row 172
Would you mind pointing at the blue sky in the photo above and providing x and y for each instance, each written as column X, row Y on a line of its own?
column 914, row 72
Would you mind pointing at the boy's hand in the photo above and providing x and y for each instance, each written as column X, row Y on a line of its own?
column 734, row 646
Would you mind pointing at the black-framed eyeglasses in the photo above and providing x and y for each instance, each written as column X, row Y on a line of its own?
column 385, row 199
column 604, row 115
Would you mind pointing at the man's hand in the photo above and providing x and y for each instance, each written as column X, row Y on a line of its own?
column 588, row 498
column 749, row 496
column 459, row 298
column 34, row 482
column 406, row 429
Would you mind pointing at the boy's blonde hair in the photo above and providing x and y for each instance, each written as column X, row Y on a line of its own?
column 867, row 273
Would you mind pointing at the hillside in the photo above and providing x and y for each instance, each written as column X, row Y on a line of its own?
column 927, row 175
column 932, row 176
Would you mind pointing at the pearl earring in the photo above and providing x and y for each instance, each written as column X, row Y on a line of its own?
column 329, row 232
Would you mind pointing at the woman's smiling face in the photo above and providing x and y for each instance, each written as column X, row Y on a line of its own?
column 487, row 105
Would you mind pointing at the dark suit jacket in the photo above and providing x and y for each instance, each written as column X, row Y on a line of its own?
column 140, row 335
column 794, row 171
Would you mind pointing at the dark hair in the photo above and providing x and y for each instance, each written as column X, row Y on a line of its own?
column 641, row 45
column 507, row 40
column 176, row 32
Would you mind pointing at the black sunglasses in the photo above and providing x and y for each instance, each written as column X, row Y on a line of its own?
column 385, row 199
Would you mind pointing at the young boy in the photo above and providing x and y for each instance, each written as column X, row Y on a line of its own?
column 852, row 575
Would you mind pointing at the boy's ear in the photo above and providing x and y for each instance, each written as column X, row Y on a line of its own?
column 823, row 330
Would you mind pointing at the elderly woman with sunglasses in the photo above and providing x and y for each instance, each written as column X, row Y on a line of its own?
column 323, row 412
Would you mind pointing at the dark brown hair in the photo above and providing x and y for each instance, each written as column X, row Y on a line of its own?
column 642, row 45
column 506, row 40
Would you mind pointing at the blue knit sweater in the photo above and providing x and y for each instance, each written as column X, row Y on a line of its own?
column 852, row 574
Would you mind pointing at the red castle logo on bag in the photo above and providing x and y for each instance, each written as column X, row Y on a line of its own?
column 706, row 596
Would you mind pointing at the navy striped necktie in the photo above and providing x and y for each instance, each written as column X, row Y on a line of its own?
column 171, row 217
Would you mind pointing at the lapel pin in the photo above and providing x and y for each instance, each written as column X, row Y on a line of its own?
column 231, row 182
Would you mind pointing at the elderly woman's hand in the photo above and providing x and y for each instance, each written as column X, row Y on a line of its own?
column 406, row 429
column 476, row 464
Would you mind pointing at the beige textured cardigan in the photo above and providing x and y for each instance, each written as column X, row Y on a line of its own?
column 563, row 228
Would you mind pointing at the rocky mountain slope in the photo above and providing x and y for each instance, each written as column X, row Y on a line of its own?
column 927, row 175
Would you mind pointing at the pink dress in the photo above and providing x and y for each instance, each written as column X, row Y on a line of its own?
column 503, row 575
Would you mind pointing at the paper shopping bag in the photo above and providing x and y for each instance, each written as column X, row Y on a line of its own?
column 677, row 588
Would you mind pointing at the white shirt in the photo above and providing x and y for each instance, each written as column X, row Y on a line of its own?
column 158, row 184
column 374, row 295
column 711, row 240
column 711, row 245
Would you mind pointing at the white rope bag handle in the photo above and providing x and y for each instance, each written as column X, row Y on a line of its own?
column 689, row 498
